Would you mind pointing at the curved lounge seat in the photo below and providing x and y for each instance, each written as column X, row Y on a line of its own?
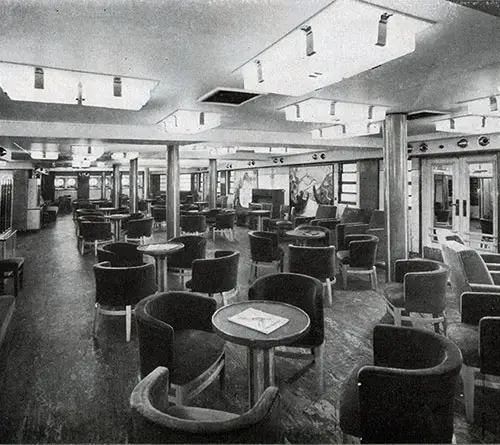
column 120, row 254
column 195, row 248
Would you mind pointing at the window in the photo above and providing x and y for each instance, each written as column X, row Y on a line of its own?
column 71, row 182
column 185, row 182
column 348, row 183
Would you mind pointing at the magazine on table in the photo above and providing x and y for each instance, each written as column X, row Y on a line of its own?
column 259, row 320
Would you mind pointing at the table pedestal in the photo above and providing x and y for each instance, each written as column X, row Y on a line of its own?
column 116, row 229
column 260, row 372
column 161, row 273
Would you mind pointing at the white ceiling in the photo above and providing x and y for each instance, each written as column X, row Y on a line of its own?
column 193, row 46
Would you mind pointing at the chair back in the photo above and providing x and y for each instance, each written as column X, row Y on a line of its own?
column 352, row 214
column 255, row 206
column 195, row 247
column 216, row 275
column 407, row 396
column 377, row 219
column 155, row 422
column 362, row 250
column 122, row 286
column 193, row 223
column 263, row 246
column 120, row 254
column 315, row 261
column 91, row 217
column 225, row 220
column 140, row 227
column 466, row 266
column 300, row 290
column 159, row 213
column 326, row 211
column 95, row 230
column 326, row 241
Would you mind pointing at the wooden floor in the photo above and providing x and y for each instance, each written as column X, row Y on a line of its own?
column 58, row 386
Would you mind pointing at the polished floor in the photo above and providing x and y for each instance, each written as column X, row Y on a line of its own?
column 58, row 386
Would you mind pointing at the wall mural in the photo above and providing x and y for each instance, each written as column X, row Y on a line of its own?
column 310, row 186
column 244, row 182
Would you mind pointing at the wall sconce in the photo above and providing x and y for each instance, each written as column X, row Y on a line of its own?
column 315, row 156
column 275, row 160
column 251, row 163
column 322, row 156
column 282, row 160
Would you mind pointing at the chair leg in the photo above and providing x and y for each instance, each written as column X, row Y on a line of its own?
column 16, row 278
column 397, row 316
column 318, row 352
column 468, row 377
column 83, row 247
column 213, row 235
column 373, row 276
column 344, row 275
column 329, row 292
column 128, row 321
column 95, row 248
column 96, row 315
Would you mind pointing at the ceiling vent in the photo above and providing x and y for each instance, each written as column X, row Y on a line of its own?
column 228, row 96
column 423, row 114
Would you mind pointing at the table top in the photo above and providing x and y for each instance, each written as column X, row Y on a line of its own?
column 117, row 216
column 306, row 233
column 160, row 249
column 260, row 212
column 297, row 326
column 201, row 202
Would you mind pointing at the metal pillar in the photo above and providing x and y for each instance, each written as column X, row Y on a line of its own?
column 396, row 189
column 173, row 191
column 103, row 185
column 145, row 190
column 212, row 183
column 116, row 185
column 133, row 178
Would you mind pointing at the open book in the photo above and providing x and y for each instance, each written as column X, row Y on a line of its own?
column 259, row 320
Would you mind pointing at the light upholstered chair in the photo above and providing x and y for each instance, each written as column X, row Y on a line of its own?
column 175, row 331
column 154, row 421
column 406, row 394
column 419, row 289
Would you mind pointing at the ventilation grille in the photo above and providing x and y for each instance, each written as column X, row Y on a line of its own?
column 422, row 114
column 228, row 96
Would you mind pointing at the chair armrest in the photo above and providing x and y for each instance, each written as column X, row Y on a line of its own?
column 489, row 288
column 476, row 305
column 495, row 274
column 298, row 220
column 489, row 339
column 491, row 257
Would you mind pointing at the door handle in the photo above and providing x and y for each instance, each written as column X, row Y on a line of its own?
column 465, row 207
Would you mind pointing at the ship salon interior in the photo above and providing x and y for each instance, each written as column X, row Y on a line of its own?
column 242, row 221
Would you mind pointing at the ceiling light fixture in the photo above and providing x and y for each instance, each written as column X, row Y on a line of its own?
column 486, row 106
column 52, row 85
column 342, row 131
column 87, row 151
column 190, row 122
column 325, row 111
column 469, row 124
column 350, row 36
column 40, row 151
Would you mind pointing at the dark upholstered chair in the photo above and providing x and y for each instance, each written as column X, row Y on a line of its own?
column 224, row 224
column 121, row 287
column 306, row 293
column 366, row 220
column 325, row 241
column 194, row 224
column 181, row 262
column 12, row 268
column 407, row 394
column 323, row 211
column 154, row 421
column 120, row 254
column 159, row 214
column 360, row 257
column 139, row 229
column 131, row 217
column 94, row 233
column 317, row 262
column 215, row 275
column 419, row 287
column 264, row 248
column 175, row 331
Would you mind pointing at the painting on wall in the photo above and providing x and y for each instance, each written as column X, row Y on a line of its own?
column 309, row 187
column 244, row 182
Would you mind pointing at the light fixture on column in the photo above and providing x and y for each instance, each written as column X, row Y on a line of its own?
column 350, row 36
column 325, row 111
column 469, row 124
column 342, row 131
column 190, row 122
column 52, row 85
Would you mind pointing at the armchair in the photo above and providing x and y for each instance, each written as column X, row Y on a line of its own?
column 94, row 233
column 323, row 211
column 357, row 221
column 175, row 331
column 12, row 268
column 193, row 224
column 159, row 214
column 139, row 229
column 307, row 294
column 120, row 254
column 419, row 287
column 195, row 247
column 224, row 224
column 407, row 394
column 264, row 248
column 155, row 422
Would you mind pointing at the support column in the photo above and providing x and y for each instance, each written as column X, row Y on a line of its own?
column 212, row 183
column 116, row 185
column 173, row 191
column 396, row 190
column 145, row 189
column 103, row 185
column 133, row 179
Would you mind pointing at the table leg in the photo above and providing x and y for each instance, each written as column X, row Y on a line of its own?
column 161, row 273
column 116, row 228
column 260, row 372
column 259, row 223
column 149, row 209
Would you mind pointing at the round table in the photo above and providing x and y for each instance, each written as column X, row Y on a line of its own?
column 201, row 204
column 107, row 210
column 159, row 252
column 116, row 219
column 260, row 214
column 301, row 236
column 259, row 345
